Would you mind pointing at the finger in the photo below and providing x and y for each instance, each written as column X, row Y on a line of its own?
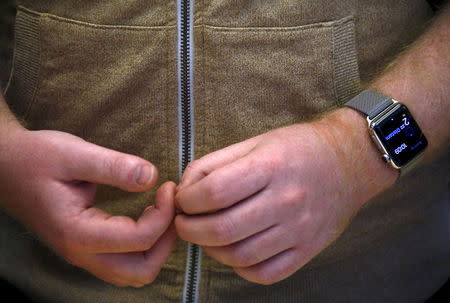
column 274, row 269
column 160, row 252
column 85, row 161
column 98, row 232
column 204, row 166
column 255, row 249
column 102, row 266
column 231, row 225
column 225, row 186
column 133, row 269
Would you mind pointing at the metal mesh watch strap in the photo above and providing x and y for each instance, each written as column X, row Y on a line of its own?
column 370, row 103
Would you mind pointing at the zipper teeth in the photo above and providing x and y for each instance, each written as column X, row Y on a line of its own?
column 185, row 62
column 186, row 127
column 191, row 289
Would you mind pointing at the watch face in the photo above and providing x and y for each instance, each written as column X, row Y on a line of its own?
column 400, row 136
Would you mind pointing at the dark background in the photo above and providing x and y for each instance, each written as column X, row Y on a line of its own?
column 14, row 295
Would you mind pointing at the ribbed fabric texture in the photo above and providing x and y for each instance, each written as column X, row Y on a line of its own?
column 346, row 74
column 27, row 62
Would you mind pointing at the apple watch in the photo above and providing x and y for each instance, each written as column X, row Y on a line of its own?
column 392, row 127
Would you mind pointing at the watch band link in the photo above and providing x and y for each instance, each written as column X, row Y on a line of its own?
column 370, row 103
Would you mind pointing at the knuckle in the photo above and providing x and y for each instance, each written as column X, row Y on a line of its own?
column 108, row 164
column 121, row 167
column 143, row 237
column 305, row 221
column 142, row 241
column 303, row 253
column 266, row 277
column 241, row 258
column 216, row 192
column 223, row 231
column 144, row 244
column 292, row 197
column 195, row 168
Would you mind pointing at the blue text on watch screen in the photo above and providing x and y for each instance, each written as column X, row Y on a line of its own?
column 401, row 136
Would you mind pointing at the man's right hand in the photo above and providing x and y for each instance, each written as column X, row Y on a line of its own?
column 48, row 182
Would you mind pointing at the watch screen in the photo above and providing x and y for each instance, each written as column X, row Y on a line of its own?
column 401, row 136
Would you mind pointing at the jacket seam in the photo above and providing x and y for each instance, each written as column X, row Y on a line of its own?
column 95, row 25
column 326, row 24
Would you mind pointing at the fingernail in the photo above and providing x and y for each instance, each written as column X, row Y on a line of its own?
column 144, row 175
column 148, row 208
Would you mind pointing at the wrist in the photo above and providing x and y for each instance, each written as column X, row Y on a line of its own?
column 10, row 135
column 9, row 125
column 359, row 157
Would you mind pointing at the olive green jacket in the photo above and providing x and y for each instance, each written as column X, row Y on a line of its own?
column 107, row 71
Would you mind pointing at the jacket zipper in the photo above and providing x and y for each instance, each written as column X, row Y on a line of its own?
column 186, row 132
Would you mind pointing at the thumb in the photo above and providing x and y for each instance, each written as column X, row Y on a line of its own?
column 85, row 161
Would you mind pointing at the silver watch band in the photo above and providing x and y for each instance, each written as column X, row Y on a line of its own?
column 370, row 103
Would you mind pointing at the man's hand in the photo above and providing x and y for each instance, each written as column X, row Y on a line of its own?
column 48, row 181
column 268, row 205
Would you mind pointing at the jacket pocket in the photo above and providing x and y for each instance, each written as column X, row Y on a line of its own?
column 113, row 85
column 254, row 79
